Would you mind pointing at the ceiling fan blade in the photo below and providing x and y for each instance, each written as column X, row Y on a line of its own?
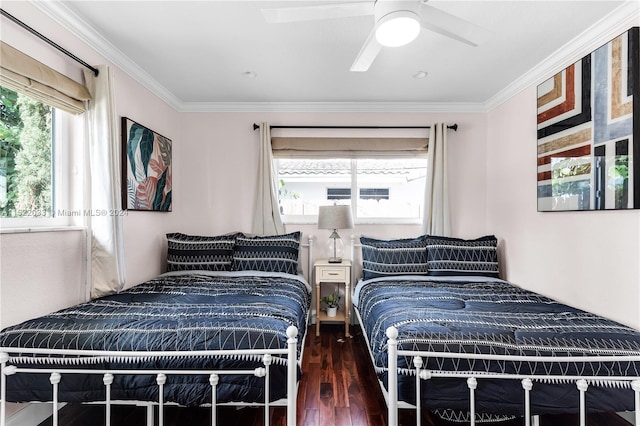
column 451, row 26
column 367, row 53
column 318, row 12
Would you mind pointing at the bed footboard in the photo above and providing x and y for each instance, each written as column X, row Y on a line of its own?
column 528, row 382
column 161, row 375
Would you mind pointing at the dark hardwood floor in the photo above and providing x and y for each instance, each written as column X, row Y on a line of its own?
column 338, row 387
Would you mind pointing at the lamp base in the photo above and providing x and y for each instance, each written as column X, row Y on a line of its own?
column 334, row 260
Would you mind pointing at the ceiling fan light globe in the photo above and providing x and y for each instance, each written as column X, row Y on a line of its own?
column 397, row 28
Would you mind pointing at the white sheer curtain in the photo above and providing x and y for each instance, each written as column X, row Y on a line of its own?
column 436, row 220
column 266, row 219
column 107, row 242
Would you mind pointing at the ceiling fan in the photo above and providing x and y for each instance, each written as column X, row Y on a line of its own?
column 397, row 22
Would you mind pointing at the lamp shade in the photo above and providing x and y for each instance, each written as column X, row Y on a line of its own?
column 335, row 217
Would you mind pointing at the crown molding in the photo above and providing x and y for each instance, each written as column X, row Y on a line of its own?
column 331, row 107
column 609, row 27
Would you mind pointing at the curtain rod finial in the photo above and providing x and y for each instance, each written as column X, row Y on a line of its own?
column 256, row 126
column 454, row 127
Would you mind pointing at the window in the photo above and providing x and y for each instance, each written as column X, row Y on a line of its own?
column 33, row 171
column 365, row 193
column 374, row 193
column 338, row 193
column 390, row 190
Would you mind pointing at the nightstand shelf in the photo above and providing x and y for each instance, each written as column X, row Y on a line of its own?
column 336, row 274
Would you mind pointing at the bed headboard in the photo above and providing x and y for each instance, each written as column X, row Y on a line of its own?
column 309, row 268
column 356, row 259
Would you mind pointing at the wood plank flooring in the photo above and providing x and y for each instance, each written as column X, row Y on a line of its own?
column 338, row 388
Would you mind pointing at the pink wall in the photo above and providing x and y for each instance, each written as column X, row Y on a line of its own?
column 40, row 272
column 218, row 172
column 587, row 259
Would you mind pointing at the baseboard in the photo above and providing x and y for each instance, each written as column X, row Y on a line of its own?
column 32, row 415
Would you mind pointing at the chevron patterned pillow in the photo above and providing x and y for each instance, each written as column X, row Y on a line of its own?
column 194, row 252
column 383, row 258
column 272, row 253
column 455, row 256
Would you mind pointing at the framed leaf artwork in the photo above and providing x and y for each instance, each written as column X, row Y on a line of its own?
column 146, row 174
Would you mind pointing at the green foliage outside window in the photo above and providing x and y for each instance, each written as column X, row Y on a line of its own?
column 25, row 156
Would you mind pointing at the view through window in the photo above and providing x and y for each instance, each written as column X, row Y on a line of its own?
column 26, row 160
column 388, row 189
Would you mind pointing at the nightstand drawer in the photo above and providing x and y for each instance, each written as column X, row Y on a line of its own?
column 332, row 274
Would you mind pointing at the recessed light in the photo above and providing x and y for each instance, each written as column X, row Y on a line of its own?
column 420, row 74
column 249, row 74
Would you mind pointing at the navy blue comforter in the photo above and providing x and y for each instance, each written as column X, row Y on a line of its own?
column 490, row 316
column 173, row 312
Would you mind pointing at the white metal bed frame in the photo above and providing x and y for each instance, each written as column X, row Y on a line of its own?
column 527, row 381
column 57, row 374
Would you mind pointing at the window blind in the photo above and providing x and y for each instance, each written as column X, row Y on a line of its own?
column 349, row 147
column 24, row 74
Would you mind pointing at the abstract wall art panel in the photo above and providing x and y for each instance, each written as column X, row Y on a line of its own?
column 146, row 175
column 589, row 131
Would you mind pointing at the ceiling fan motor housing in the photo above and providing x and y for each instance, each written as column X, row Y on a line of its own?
column 385, row 7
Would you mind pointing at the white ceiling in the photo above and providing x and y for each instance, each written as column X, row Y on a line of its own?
column 195, row 54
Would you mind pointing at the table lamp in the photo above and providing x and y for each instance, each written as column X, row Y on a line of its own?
column 335, row 217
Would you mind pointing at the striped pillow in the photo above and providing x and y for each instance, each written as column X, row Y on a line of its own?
column 383, row 258
column 193, row 252
column 273, row 253
column 455, row 256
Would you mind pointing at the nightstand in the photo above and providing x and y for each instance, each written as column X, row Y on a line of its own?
column 336, row 274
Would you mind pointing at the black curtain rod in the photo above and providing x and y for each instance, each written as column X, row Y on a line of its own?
column 52, row 43
column 453, row 127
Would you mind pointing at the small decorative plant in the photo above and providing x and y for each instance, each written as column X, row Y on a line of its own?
column 331, row 300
